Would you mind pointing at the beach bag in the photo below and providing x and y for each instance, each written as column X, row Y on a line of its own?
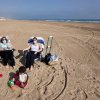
column 47, row 58
column 53, row 60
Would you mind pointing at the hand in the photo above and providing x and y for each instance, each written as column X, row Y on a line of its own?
column 13, row 79
column 22, row 84
column 35, row 52
column 4, row 48
column 8, row 47
column 23, row 51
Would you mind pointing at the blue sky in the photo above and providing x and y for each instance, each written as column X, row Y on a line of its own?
column 50, row 9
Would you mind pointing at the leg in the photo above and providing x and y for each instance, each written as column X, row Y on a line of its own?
column 16, row 82
column 23, row 85
column 5, row 58
column 28, row 58
column 33, row 56
column 10, row 56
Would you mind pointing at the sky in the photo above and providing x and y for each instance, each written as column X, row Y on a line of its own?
column 50, row 9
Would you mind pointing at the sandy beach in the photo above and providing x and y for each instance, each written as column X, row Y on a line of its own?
column 76, row 77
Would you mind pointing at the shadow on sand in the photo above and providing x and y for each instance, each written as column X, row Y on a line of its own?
column 11, row 74
column 21, row 56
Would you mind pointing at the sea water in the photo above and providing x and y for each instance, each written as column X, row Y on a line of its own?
column 70, row 20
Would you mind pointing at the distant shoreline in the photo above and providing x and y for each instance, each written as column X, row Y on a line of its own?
column 87, row 22
column 67, row 20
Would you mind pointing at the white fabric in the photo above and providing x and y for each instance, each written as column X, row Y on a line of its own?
column 34, row 48
column 22, row 77
column 53, row 58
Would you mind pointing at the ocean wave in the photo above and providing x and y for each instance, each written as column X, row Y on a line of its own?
column 70, row 20
column 50, row 20
column 56, row 20
column 87, row 21
column 78, row 21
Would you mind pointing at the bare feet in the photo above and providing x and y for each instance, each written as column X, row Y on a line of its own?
column 14, row 67
column 27, row 68
column 7, row 67
column 31, row 68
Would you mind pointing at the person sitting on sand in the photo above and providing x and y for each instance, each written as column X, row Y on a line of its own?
column 6, row 52
column 34, row 53
column 22, row 77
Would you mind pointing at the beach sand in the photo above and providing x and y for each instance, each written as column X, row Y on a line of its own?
column 76, row 77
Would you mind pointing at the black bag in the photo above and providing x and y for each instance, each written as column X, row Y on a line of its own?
column 47, row 58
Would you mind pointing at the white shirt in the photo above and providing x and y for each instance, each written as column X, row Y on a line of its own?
column 34, row 48
column 22, row 77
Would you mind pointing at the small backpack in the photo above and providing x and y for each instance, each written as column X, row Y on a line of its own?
column 47, row 58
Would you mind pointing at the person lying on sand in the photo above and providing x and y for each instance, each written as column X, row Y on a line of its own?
column 22, row 77
column 35, row 48
column 6, row 52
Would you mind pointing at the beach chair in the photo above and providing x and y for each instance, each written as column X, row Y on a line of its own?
column 41, row 41
column 8, row 40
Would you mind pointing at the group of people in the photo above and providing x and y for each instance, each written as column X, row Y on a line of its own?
column 7, row 53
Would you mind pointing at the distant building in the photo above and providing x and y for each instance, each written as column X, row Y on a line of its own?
column 2, row 18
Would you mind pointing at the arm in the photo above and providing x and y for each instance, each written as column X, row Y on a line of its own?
column 10, row 46
column 26, row 79
column 27, row 48
column 40, row 48
column 15, row 76
column 2, row 48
